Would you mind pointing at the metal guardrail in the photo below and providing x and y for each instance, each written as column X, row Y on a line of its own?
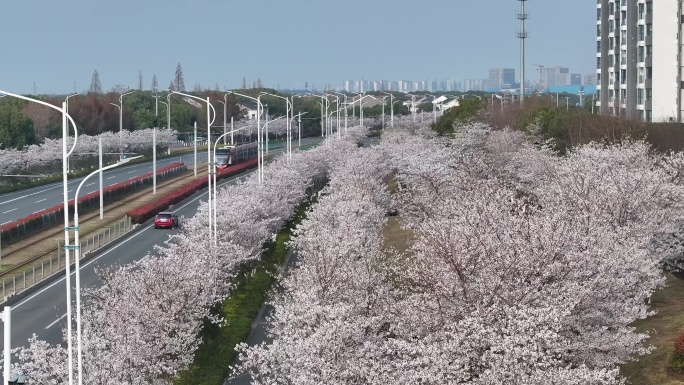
column 56, row 262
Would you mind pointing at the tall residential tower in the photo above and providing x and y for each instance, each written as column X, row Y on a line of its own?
column 639, row 59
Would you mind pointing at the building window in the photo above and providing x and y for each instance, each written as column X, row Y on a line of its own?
column 641, row 32
column 649, row 72
column 640, row 96
column 598, row 63
column 598, row 46
column 649, row 94
column 598, row 30
column 641, row 53
column 649, row 8
column 641, row 11
column 598, row 14
column 649, row 29
column 642, row 75
column 611, row 26
column 649, row 51
column 648, row 114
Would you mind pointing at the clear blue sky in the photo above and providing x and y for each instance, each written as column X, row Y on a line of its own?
column 284, row 42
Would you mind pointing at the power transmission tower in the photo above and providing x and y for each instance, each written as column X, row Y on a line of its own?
column 178, row 80
column 140, row 80
column 522, row 35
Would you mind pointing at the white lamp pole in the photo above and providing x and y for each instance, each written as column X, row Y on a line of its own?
column 288, row 108
column 215, row 171
column 210, row 121
column 67, row 111
column 337, row 106
column 77, row 266
column 65, row 155
column 259, row 145
column 391, row 107
column 299, row 141
column 7, row 321
column 224, row 120
column 120, row 105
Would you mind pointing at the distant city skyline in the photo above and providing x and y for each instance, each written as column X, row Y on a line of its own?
column 54, row 47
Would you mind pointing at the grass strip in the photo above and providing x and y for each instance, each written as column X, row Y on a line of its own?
column 253, row 283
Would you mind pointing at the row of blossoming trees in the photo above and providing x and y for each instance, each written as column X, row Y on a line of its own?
column 37, row 157
column 523, row 268
column 142, row 325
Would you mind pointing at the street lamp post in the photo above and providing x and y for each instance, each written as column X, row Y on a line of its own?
column 383, row 112
column 260, row 109
column 288, row 108
column 66, row 100
column 210, row 108
column 299, row 121
column 77, row 257
column 391, row 108
column 215, row 180
column 65, row 155
column 337, row 105
column 413, row 107
column 120, row 105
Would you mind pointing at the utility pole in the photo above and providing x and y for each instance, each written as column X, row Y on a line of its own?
column 522, row 35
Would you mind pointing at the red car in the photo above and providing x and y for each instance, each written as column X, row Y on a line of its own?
column 166, row 220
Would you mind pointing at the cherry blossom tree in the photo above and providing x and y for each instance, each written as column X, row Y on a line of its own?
column 143, row 324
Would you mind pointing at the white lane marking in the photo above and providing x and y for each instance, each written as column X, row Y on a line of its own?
column 70, row 191
column 55, row 322
column 130, row 172
column 4, row 223
column 90, row 184
column 36, row 211
column 9, row 211
column 42, row 200
column 111, row 177
column 92, row 191
column 23, row 196
column 121, row 243
column 111, row 184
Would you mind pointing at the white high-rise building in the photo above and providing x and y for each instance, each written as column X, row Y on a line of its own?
column 639, row 59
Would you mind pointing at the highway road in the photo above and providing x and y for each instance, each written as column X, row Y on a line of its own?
column 20, row 204
column 43, row 312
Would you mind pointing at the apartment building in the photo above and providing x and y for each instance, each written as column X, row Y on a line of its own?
column 498, row 77
column 639, row 59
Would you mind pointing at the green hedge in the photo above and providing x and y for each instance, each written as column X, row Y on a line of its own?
column 253, row 283
column 677, row 363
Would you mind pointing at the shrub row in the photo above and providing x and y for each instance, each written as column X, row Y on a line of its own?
column 28, row 225
column 149, row 210
column 255, row 279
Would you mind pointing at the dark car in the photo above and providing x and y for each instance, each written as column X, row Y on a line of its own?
column 167, row 220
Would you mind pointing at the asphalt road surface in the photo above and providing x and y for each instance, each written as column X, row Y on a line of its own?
column 20, row 204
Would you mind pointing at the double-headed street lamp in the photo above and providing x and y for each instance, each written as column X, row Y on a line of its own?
column 65, row 155
column 288, row 128
column 120, row 106
column 260, row 108
column 215, row 179
column 391, row 107
column 299, row 121
column 210, row 108
column 77, row 257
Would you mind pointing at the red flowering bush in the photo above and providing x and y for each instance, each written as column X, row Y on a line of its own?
column 40, row 219
column 149, row 210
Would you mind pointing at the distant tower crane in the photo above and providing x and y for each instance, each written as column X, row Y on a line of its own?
column 541, row 68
